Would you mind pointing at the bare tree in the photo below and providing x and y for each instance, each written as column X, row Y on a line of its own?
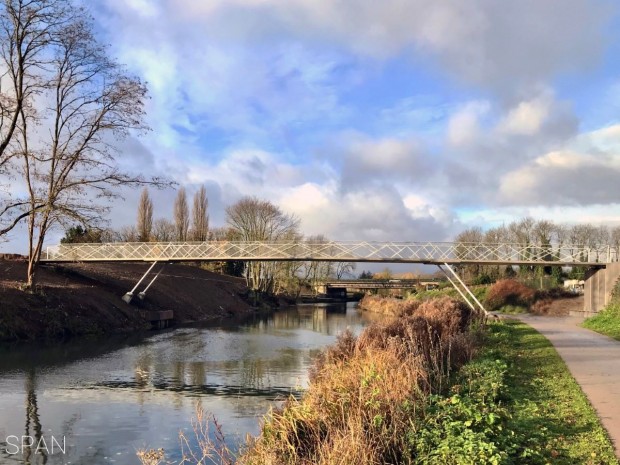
column 163, row 230
column 560, row 234
column 543, row 231
column 181, row 215
column 599, row 239
column 259, row 220
column 496, row 235
column 615, row 241
column 144, row 224
column 341, row 269
column 66, row 148
column 26, row 29
column 520, row 232
column 494, row 238
column 200, row 218
column 126, row 234
column 315, row 272
column 466, row 240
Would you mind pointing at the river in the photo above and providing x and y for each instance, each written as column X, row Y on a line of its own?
column 99, row 401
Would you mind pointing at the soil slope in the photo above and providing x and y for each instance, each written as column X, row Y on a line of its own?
column 85, row 298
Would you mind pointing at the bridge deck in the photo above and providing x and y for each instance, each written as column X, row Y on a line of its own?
column 377, row 252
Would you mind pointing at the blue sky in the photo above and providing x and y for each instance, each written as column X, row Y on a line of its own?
column 390, row 120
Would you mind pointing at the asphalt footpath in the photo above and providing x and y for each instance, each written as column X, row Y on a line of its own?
column 593, row 360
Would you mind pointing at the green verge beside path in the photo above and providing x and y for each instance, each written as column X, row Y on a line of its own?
column 547, row 407
column 606, row 322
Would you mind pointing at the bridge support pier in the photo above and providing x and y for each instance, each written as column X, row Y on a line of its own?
column 336, row 293
column 129, row 296
column 599, row 283
column 142, row 295
column 462, row 288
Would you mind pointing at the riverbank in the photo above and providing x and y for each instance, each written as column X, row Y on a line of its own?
column 426, row 389
column 85, row 299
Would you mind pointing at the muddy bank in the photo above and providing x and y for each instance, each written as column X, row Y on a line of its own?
column 82, row 299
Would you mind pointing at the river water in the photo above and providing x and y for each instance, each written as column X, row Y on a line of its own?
column 98, row 402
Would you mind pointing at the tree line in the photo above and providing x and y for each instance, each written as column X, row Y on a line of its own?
column 540, row 233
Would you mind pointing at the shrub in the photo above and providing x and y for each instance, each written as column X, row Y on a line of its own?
column 509, row 292
column 482, row 279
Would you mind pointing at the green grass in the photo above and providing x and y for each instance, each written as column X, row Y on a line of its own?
column 513, row 309
column 546, row 407
column 606, row 322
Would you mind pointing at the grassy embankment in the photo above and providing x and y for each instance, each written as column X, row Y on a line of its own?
column 432, row 387
column 606, row 322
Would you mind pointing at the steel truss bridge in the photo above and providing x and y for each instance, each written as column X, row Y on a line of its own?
column 434, row 253
column 442, row 254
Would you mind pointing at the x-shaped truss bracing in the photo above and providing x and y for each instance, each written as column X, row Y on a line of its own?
column 388, row 252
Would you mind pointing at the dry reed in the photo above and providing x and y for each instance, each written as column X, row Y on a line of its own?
column 388, row 305
column 367, row 393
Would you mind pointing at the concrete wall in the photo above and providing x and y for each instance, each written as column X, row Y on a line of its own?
column 599, row 284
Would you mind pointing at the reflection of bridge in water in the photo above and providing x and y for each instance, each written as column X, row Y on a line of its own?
column 602, row 262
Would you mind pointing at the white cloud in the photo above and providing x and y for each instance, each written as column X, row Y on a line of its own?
column 527, row 118
column 464, row 125
column 584, row 173
column 364, row 214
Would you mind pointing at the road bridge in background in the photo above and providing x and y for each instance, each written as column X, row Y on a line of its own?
column 394, row 283
column 339, row 288
column 602, row 262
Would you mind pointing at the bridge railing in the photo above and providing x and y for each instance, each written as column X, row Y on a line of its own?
column 411, row 252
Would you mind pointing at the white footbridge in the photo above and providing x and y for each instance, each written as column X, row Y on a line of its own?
column 386, row 252
column 442, row 254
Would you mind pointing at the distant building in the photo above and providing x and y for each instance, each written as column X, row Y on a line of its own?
column 574, row 285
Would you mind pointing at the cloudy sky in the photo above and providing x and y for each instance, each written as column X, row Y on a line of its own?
column 392, row 119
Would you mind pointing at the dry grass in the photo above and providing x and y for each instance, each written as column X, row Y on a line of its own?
column 388, row 305
column 366, row 393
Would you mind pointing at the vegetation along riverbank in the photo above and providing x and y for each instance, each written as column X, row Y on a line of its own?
column 432, row 387
column 504, row 296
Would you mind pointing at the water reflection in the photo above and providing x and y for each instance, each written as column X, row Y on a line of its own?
column 33, row 423
column 109, row 398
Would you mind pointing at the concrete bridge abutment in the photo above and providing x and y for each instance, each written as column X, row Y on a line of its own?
column 599, row 283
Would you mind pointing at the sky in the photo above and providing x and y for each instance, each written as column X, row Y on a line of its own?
column 404, row 120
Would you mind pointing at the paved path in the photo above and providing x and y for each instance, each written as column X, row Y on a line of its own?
column 594, row 361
